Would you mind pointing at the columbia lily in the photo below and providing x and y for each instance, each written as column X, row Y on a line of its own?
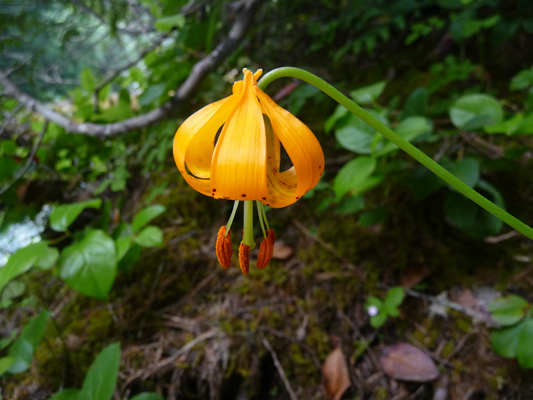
column 231, row 150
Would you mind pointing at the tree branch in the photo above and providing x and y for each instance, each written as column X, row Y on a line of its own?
column 199, row 72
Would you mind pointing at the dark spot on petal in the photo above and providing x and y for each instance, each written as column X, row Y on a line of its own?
column 264, row 198
column 320, row 167
column 297, row 198
column 243, row 195
column 214, row 190
column 268, row 205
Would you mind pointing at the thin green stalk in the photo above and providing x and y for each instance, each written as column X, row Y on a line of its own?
column 260, row 214
column 248, row 235
column 290, row 72
column 232, row 216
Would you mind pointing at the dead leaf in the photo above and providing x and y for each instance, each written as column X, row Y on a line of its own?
column 413, row 275
column 405, row 362
column 281, row 251
column 335, row 374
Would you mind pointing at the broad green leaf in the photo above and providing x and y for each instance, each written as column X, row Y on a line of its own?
column 339, row 113
column 30, row 337
column 357, row 136
column 524, row 349
column 416, row 103
column 505, row 340
column 147, row 396
column 526, row 126
column 368, row 94
column 87, row 80
column 6, row 363
column 522, row 80
column 151, row 236
column 101, row 379
column 508, row 126
column 12, row 290
column 409, row 129
column 146, row 215
column 47, row 258
column 475, row 111
column 152, row 94
column 21, row 261
column 122, row 244
column 373, row 217
column 508, row 310
column 350, row 205
column 65, row 214
column 353, row 174
column 90, row 266
column 460, row 211
column 165, row 24
column 70, row 394
column 394, row 296
column 466, row 170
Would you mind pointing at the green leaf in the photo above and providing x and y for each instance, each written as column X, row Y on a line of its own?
column 21, row 261
column 30, row 337
column 151, row 236
column 505, row 340
column 508, row 126
column 460, row 211
column 523, row 80
column 368, row 94
column 65, row 214
column 122, row 244
column 6, row 363
column 89, row 266
column 508, row 310
column 373, row 217
column 147, row 396
column 409, row 129
column 87, row 80
column 353, row 174
column 70, row 394
column 47, row 258
column 357, row 136
column 12, row 290
column 394, row 296
column 146, row 215
column 165, row 24
column 466, row 170
column 416, row 103
column 350, row 205
column 152, row 94
column 475, row 111
column 339, row 113
column 101, row 379
column 524, row 349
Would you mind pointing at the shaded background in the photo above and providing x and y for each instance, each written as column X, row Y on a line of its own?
column 134, row 70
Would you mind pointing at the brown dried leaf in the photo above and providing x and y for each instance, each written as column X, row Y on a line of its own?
column 405, row 362
column 413, row 275
column 335, row 374
column 281, row 251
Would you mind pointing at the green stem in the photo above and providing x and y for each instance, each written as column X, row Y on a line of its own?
column 232, row 216
column 248, row 235
column 260, row 214
column 290, row 72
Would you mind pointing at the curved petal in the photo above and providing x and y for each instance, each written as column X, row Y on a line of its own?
column 194, row 142
column 239, row 165
column 303, row 149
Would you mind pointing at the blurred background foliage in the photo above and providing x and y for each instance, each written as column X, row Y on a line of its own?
column 103, row 242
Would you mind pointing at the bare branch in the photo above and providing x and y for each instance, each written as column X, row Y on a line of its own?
column 187, row 88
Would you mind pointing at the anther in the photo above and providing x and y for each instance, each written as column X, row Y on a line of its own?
column 223, row 247
column 266, row 250
column 244, row 258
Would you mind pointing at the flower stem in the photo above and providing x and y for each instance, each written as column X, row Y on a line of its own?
column 248, row 235
column 290, row 72
column 232, row 216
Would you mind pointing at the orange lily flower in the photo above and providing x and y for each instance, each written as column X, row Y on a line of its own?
column 231, row 150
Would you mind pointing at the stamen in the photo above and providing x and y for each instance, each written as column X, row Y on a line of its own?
column 266, row 250
column 260, row 214
column 223, row 247
column 248, row 235
column 244, row 258
column 232, row 216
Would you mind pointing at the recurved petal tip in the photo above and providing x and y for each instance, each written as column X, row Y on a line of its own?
column 223, row 247
column 244, row 258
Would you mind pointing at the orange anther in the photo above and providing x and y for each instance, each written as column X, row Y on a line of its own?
column 223, row 247
column 266, row 250
column 244, row 258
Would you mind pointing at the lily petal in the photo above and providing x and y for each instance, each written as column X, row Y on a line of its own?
column 303, row 149
column 194, row 142
column 239, row 165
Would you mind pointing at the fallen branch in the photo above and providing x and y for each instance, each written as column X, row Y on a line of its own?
column 279, row 367
column 187, row 88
